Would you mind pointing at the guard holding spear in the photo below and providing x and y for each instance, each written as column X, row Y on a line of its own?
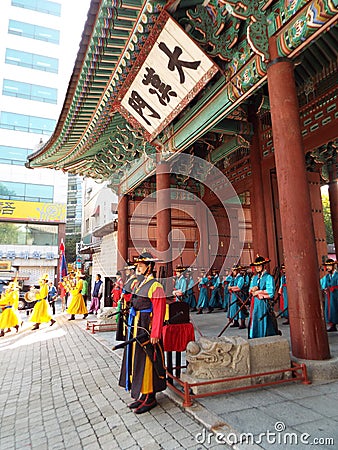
column 235, row 286
column 262, row 289
column 283, row 292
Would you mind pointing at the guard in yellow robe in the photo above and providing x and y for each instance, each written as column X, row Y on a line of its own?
column 77, row 304
column 41, row 308
column 13, row 290
column 8, row 318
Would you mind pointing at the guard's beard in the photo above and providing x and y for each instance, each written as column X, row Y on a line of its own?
column 140, row 277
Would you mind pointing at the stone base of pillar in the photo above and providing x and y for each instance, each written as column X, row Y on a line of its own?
column 320, row 370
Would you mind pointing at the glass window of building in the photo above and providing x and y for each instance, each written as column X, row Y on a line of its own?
column 31, row 60
column 26, row 192
column 29, row 91
column 14, row 155
column 31, row 124
column 43, row 6
column 33, row 31
column 28, row 234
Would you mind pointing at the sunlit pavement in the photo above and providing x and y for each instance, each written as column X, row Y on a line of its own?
column 59, row 391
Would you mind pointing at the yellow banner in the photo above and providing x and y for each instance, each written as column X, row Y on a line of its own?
column 32, row 211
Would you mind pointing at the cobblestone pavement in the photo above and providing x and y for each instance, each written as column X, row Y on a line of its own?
column 59, row 391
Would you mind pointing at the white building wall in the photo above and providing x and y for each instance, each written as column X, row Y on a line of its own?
column 105, row 262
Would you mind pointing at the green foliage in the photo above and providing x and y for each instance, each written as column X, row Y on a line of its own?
column 70, row 247
column 5, row 192
column 327, row 218
column 8, row 233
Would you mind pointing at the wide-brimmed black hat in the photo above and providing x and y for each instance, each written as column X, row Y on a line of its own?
column 260, row 261
column 180, row 268
column 330, row 262
column 236, row 267
column 129, row 265
column 146, row 258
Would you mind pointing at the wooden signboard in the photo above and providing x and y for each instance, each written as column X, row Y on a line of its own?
column 172, row 70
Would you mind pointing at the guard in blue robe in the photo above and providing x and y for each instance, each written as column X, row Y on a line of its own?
column 180, row 284
column 262, row 289
column 329, row 284
column 235, row 287
column 203, row 300
column 226, row 294
column 190, row 296
column 247, row 280
column 215, row 283
column 283, row 292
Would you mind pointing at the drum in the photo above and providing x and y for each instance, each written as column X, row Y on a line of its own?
column 30, row 296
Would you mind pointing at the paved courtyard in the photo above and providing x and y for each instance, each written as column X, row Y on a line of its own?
column 59, row 391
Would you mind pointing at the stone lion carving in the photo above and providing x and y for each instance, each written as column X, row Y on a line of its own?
column 106, row 315
column 212, row 358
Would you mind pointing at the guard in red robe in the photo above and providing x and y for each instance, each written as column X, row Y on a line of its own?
column 143, row 371
column 117, row 289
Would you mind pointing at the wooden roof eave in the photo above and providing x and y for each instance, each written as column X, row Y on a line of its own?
column 97, row 116
column 54, row 142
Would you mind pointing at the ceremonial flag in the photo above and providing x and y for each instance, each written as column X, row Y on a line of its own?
column 63, row 263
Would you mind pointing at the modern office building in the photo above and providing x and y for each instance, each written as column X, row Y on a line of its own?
column 74, row 205
column 34, row 73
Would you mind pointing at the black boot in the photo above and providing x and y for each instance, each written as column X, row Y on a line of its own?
column 36, row 326
column 2, row 333
column 332, row 328
column 72, row 317
column 210, row 310
column 138, row 402
column 148, row 404
column 17, row 328
column 242, row 325
column 200, row 311
column 235, row 324
column 52, row 322
column 85, row 316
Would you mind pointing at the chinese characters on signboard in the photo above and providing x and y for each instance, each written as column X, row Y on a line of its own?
column 172, row 73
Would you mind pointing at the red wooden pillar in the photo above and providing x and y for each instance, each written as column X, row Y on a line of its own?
column 163, row 216
column 307, row 327
column 122, row 232
column 260, row 242
column 333, row 196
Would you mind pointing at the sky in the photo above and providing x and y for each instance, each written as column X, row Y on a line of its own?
column 75, row 19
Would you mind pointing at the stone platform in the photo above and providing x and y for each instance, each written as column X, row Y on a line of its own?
column 213, row 358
